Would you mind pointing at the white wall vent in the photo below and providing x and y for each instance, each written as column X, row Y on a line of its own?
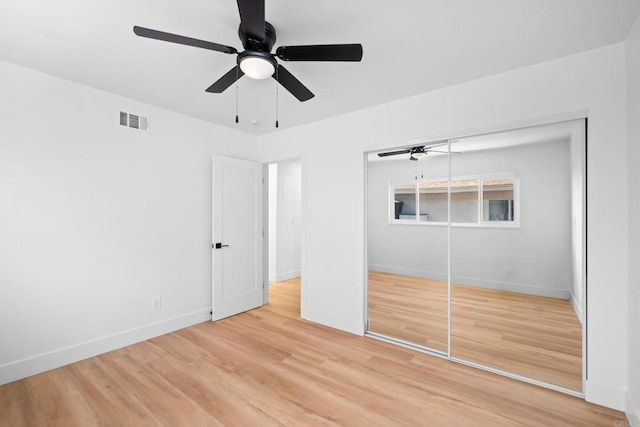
column 134, row 121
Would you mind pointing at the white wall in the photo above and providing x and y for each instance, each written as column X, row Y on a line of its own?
column 333, row 250
column 273, row 211
column 633, row 160
column 95, row 220
column 285, row 180
column 537, row 253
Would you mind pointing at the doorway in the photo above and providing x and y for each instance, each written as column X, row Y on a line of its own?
column 284, row 234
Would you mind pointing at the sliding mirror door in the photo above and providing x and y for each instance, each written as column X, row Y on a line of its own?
column 517, row 212
column 407, row 238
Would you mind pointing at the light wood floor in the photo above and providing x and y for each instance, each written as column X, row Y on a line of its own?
column 537, row 337
column 268, row 367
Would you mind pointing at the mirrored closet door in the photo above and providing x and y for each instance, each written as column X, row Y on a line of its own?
column 488, row 240
column 408, row 295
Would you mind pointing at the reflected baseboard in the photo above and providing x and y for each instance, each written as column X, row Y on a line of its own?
column 520, row 288
column 577, row 309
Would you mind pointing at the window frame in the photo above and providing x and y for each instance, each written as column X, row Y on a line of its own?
column 481, row 222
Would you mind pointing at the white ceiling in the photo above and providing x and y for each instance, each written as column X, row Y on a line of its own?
column 410, row 47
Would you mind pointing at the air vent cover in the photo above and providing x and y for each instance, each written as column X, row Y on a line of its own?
column 134, row 121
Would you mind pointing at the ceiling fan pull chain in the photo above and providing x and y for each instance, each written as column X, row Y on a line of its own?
column 277, row 87
column 237, row 77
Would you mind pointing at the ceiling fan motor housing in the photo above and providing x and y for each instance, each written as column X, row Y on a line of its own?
column 253, row 44
column 260, row 63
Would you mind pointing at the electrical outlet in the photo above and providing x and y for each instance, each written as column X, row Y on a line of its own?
column 156, row 303
column 508, row 271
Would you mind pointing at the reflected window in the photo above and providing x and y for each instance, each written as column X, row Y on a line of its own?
column 498, row 200
column 404, row 202
column 464, row 201
column 475, row 200
column 433, row 201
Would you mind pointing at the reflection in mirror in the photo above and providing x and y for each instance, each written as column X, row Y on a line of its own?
column 497, row 200
column 433, row 201
column 517, row 280
column 464, row 201
column 404, row 201
column 513, row 251
column 407, row 289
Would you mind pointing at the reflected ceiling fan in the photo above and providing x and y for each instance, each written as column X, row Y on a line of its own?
column 258, row 37
column 417, row 152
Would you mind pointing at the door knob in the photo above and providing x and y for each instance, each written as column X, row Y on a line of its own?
column 219, row 246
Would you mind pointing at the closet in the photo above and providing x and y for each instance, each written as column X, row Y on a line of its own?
column 475, row 250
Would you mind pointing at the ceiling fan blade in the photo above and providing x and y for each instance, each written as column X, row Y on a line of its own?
column 174, row 38
column 252, row 18
column 437, row 144
column 293, row 85
column 321, row 52
column 440, row 151
column 394, row 153
column 225, row 81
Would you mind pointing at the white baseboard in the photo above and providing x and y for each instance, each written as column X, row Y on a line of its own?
column 577, row 309
column 281, row 277
column 408, row 272
column 605, row 395
column 57, row 358
column 478, row 283
column 334, row 321
column 632, row 409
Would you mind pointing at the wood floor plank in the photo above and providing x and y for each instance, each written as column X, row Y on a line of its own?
column 268, row 367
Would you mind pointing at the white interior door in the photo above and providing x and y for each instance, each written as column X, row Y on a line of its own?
column 238, row 275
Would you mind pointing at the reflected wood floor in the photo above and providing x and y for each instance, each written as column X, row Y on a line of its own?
column 268, row 367
column 533, row 336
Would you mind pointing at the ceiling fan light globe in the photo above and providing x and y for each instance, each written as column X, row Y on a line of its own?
column 257, row 67
column 418, row 155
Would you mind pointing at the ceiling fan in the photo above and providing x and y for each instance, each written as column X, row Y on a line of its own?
column 258, row 37
column 417, row 152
